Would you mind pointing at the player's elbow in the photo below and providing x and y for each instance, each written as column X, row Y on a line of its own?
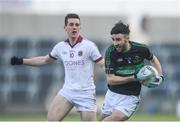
column 46, row 60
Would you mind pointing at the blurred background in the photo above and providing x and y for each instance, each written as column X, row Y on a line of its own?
column 32, row 27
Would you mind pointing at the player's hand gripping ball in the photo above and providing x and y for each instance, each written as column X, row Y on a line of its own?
column 149, row 76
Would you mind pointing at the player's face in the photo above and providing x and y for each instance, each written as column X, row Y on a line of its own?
column 73, row 28
column 120, row 41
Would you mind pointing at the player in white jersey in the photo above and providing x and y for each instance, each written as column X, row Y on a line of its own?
column 79, row 56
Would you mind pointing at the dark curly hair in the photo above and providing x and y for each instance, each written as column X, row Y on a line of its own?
column 120, row 28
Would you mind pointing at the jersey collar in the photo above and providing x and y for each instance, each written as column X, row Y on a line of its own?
column 80, row 39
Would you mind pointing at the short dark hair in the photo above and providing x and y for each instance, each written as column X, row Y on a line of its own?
column 120, row 28
column 71, row 15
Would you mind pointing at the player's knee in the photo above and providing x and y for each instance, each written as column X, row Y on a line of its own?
column 103, row 116
column 118, row 117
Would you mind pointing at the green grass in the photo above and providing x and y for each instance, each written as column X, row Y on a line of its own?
column 154, row 117
column 136, row 117
column 22, row 117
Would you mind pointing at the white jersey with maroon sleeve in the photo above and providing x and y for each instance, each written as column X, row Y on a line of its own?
column 78, row 62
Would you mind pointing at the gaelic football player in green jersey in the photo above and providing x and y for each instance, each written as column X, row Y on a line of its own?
column 123, row 59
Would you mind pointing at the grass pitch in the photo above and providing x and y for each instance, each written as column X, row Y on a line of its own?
column 137, row 117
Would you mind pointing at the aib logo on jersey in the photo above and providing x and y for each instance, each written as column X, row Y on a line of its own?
column 80, row 53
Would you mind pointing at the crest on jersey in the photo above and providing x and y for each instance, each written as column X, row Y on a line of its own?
column 80, row 53
column 137, row 59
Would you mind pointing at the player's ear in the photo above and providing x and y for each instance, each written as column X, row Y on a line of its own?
column 65, row 28
column 127, row 37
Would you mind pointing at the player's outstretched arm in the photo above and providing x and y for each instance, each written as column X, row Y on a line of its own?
column 34, row 61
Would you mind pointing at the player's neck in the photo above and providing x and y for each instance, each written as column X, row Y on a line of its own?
column 128, row 47
column 73, row 40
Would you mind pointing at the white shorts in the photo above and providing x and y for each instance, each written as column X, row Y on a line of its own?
column 83, row 100
column 126, row 104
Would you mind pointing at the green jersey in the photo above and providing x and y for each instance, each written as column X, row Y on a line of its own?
column 126, row 64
